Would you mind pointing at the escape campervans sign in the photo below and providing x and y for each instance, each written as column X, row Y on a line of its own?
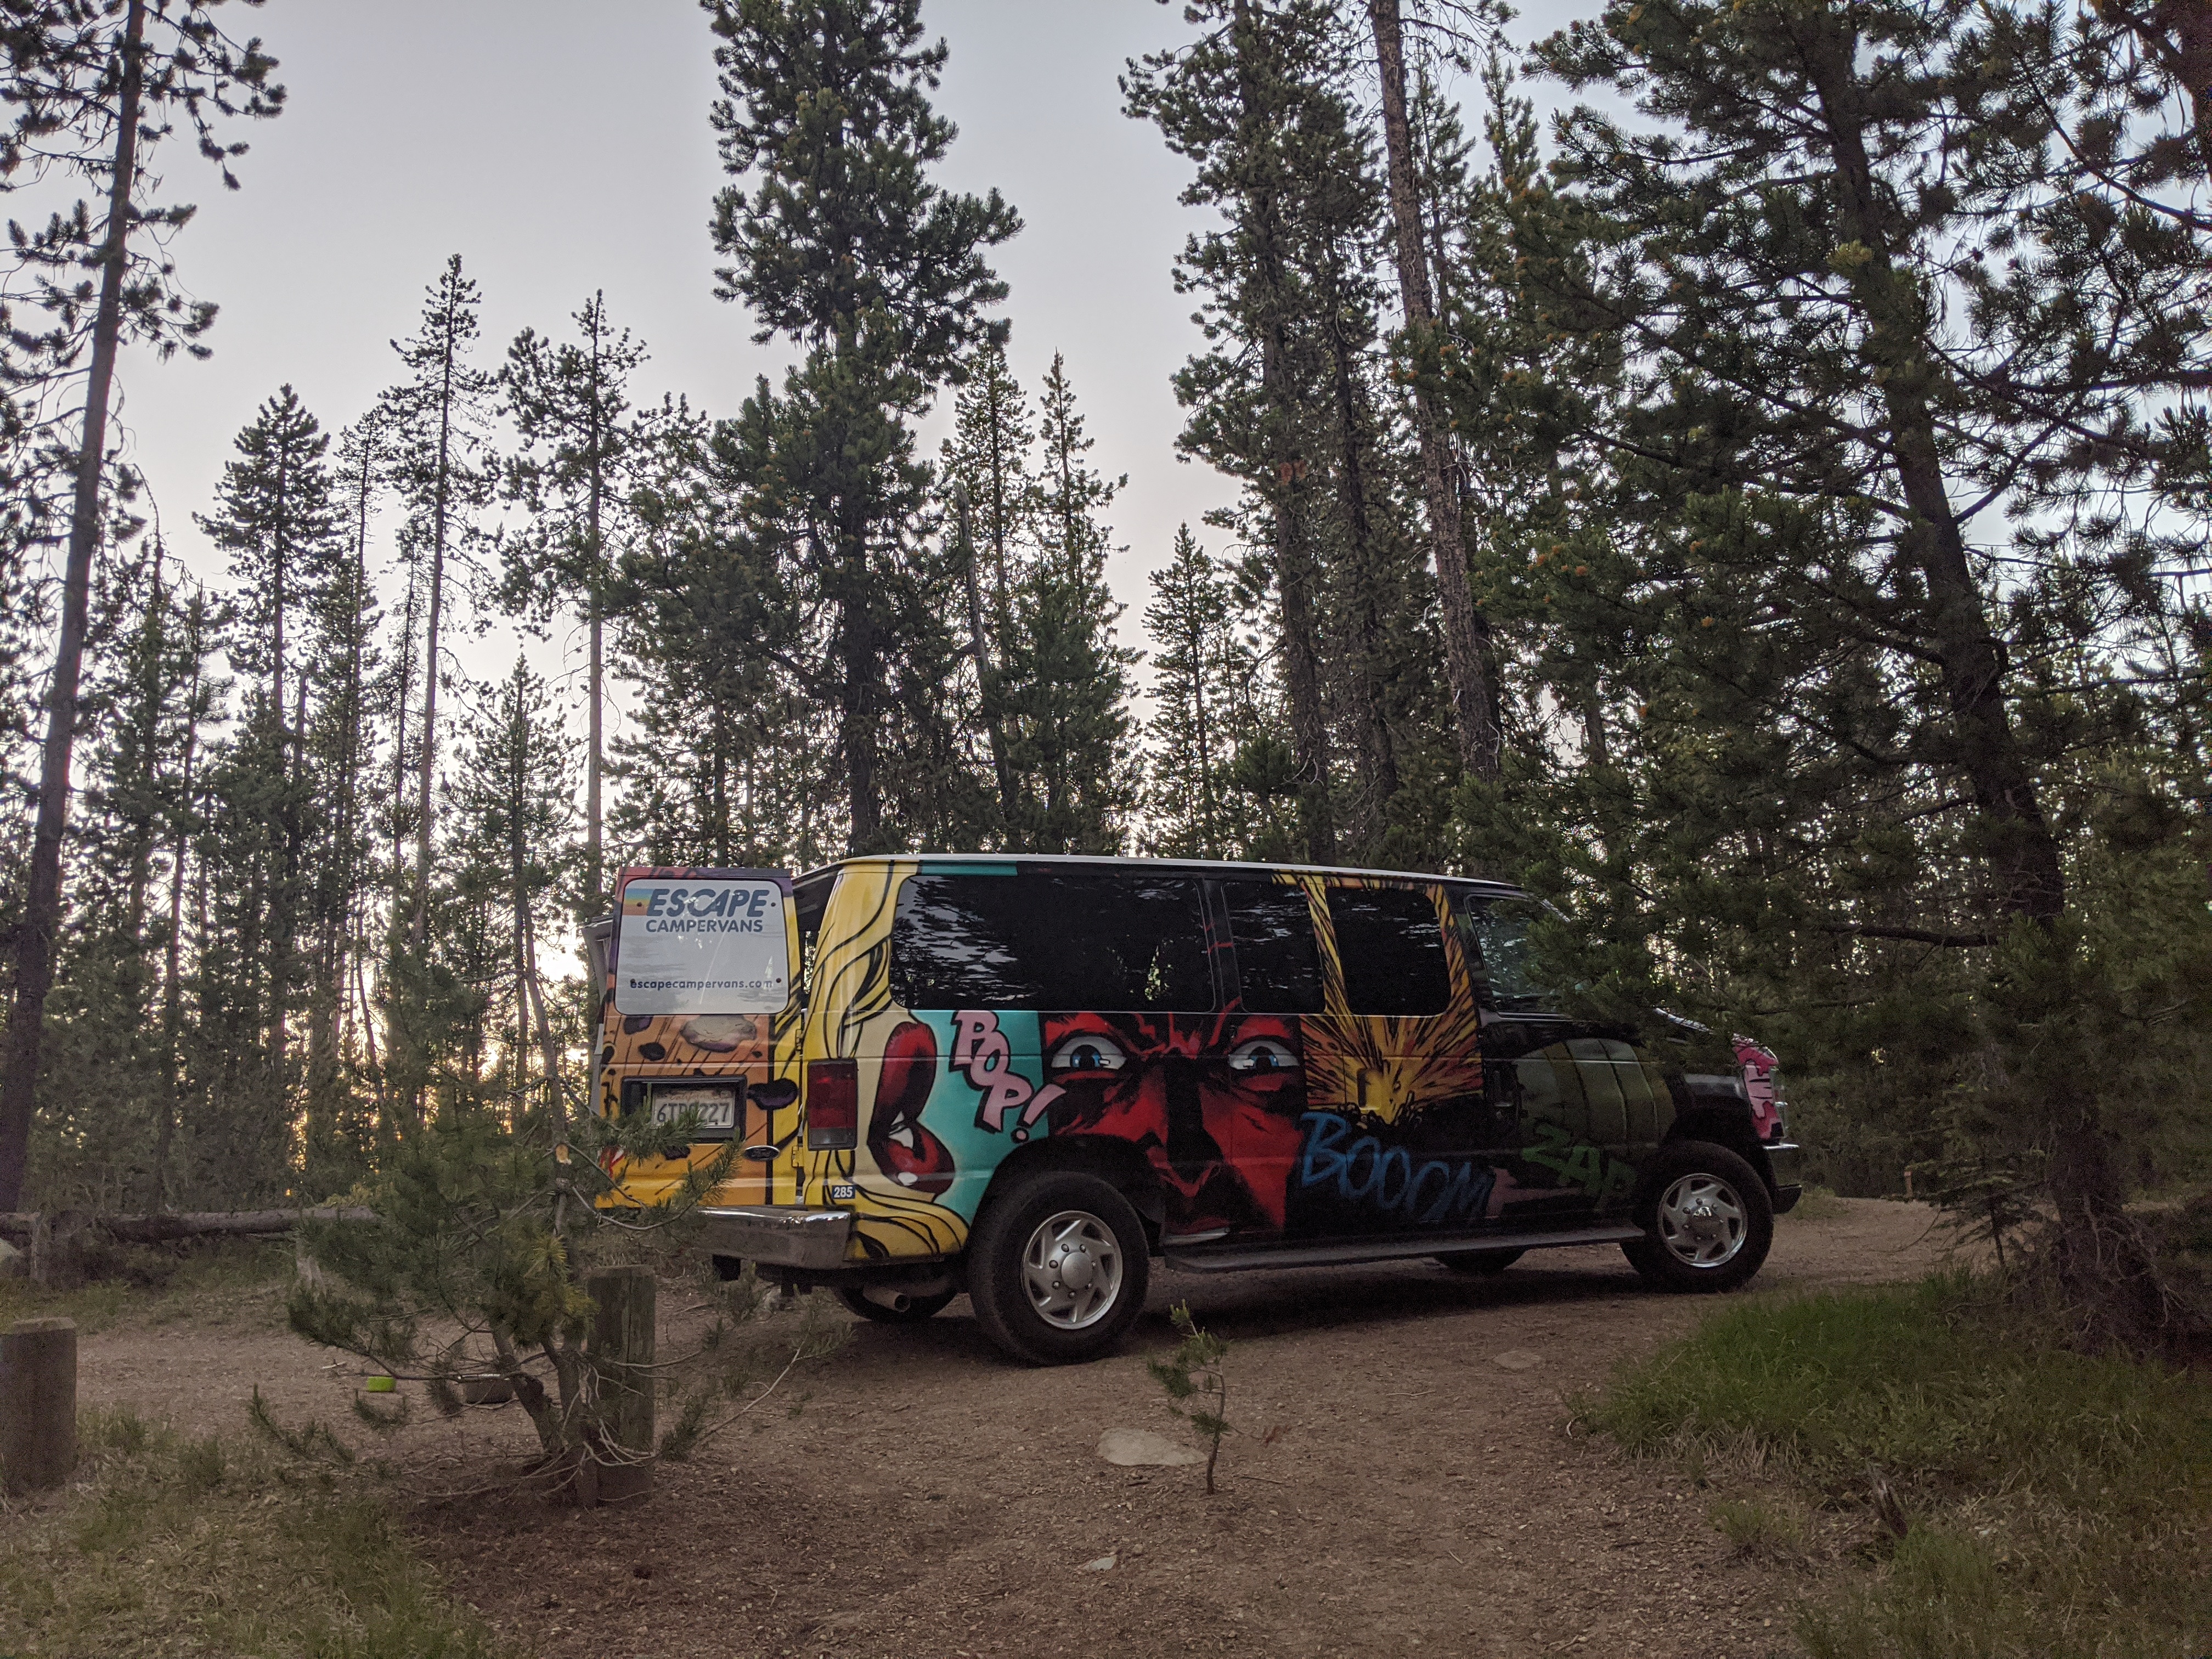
column 701, row 945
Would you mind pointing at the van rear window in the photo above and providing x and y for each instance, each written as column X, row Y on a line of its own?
column 1075, row 939
column 1392, row 945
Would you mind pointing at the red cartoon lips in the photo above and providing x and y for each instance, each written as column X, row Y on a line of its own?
column 902, row 1148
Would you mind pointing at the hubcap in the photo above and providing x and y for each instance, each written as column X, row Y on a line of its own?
column 1701, row 1220
column 1071, row 1268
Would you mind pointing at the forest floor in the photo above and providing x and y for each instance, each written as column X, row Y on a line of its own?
column 1404, row 1477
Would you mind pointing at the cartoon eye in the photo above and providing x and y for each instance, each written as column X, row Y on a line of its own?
column 1089, row 1053
column 1262, row 1055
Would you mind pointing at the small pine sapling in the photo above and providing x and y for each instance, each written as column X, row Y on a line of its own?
column 476, row 1269
column 1193, row 1373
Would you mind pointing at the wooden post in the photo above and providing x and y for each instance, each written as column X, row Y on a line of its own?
column 57, row 1247
column 624, row 1301
column 38, row 1404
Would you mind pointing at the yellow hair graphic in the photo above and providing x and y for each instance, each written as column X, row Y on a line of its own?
column 851, row 988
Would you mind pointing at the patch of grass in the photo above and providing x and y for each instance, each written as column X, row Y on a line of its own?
column 1758, row 1527
column 155, row 1285
column 2052, row 1505
column 175, row 1547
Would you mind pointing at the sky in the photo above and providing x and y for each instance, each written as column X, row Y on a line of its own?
column 562, row 147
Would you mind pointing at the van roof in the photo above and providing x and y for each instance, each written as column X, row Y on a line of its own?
column 1217, row 867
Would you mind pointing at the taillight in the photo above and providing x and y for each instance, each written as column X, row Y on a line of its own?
column 833, row 1105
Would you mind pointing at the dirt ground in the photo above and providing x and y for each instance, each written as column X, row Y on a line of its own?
column 1403, row 1481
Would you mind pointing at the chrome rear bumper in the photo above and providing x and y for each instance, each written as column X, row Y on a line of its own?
column 779, row 1235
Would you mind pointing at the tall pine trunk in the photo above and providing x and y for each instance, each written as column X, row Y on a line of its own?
column 403, row 692
column 2085, row 1184
column 1294, row 562
column 173, row 1077
column 986, row 687
column 1986, row 747
column 594, row 877
column 39, row 932
column 441, row 518
column 1468, row 656
column 859, row 659
column 1378, row 757
column 594, row 856
column 418, row 930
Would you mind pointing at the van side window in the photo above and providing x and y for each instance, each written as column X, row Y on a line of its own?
column 1278, row 962
column 1075, row 939
column 1392, row 946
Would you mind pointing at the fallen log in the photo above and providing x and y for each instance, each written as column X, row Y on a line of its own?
column 18, row 1228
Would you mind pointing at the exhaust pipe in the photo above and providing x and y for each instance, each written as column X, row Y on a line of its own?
column 884, row 1297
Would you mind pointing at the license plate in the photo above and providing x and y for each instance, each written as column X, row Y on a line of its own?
column 717, row 1107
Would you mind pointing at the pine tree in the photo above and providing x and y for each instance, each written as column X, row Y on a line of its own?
column 1467, row 631
column 514, row 814
column 1235, row 102
column 275, row 518
column 435, row 420
column 95, row 1147
column 91, row 95
column 1197, row 663
column 731, row 760
column 337, row 1139
column 198, row 703
column 1857, row 702
column 986, row 462
column 1065, row 684
column 577, row 462
column 989, row 452
column 844, row 246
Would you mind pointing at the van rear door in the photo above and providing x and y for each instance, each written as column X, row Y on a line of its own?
column 699, row 1018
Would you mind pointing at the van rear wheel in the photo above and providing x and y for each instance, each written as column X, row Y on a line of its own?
column 1057, row 1268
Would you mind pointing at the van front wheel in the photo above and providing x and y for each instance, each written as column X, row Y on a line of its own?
column 1057, row 1268
column 1707, row 1220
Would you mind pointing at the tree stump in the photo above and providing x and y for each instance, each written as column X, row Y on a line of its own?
column 624, row 1301
column 38, row 1404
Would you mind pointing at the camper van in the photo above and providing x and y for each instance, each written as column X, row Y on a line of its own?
column 1027, row 1078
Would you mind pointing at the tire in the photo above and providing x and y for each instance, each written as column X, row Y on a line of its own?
column 1481, row 1261
column 1014, row 1279
column 1707, row 1219
column 728, row 1268
column 916, row 1309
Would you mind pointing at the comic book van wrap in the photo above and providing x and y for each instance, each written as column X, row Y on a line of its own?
column 1025, row 1078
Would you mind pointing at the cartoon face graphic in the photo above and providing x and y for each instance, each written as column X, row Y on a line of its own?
column 901, row 1145
column 1212, row 1101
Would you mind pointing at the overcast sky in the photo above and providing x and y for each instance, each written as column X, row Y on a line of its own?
column 562, row 146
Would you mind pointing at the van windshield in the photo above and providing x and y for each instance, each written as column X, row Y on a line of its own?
column 1496, row 931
